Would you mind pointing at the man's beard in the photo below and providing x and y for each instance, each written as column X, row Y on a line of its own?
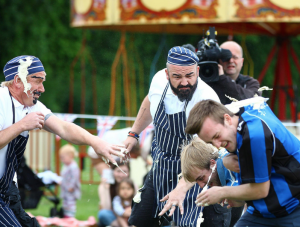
column 36, row 99
column 215, row 180
column 185, row 94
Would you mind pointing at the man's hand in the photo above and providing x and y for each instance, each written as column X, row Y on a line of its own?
column 130, row 142
column 210, row 196
column 235, row 203
column 174, row 198
column 105, row 150
column 33, row 120
column 231, row 162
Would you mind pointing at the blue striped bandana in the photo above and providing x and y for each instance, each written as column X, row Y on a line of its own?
column 182, row 56
column 11, row 67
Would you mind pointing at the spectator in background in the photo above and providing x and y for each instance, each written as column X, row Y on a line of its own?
column 108, row 190
column 232, row 83
column 96, row 161
column 122, row 201
column 70, row 184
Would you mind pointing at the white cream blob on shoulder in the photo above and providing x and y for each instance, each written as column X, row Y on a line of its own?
column 23, row 72
column 256, row 102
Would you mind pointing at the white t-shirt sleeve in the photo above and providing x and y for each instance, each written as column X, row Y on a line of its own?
column 157, row 87
column 40, row 107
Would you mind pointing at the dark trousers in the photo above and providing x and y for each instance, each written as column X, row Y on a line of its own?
column 236, row 213
column 217, row 216
column 16, row 206
column 142, row 212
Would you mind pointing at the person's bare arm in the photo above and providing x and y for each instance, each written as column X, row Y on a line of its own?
column 231, row 162
column 143, row 119
column 104, row 195
column 244, row 192
column 122, row 221
column 29, row 122
column 235, row 203
column 127, row 212
column 77, row 135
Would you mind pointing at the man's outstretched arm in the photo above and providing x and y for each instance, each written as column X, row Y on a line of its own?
column 244, row 192
column 143, row 119
column 77, row 135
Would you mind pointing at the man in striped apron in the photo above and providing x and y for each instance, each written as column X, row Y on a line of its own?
column 20, row 112
column 173, row 92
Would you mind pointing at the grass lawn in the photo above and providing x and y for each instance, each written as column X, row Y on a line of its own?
column 87, row 206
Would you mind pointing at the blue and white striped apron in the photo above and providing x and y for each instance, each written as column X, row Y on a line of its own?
column 15, row 150
column 166, row 150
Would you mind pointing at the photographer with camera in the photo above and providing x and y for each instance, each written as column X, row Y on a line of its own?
column 225, row 80
column 232, row 83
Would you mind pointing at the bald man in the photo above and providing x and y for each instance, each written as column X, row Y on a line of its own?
column 232, row 83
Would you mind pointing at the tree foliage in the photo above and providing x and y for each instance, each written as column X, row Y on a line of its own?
column 42, row 28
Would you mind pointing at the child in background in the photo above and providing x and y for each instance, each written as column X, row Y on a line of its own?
column 70, row 184
column 122, row 202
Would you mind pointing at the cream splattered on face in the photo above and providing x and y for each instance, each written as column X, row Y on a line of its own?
column 23, row 72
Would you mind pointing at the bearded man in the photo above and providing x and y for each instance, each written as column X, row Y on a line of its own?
column 173, row 92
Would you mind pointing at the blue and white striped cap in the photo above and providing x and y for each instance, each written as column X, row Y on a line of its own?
column 11, row 67
column 182, row 56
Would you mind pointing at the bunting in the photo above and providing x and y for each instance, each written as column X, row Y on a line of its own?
column 145, row 133
column 104, row 124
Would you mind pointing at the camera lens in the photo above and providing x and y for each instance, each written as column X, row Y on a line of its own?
column 207, row 70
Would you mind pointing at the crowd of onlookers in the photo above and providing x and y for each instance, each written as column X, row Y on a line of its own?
column 115, row 191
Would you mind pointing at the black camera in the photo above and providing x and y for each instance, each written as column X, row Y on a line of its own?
column 209, row 54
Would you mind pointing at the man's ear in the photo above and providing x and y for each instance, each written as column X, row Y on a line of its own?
column 197, row 70
column 167, row 74
column 212, row 163
column 17, row 81
column 227, row 119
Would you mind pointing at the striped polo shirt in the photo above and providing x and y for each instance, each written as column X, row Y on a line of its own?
column 268, row 151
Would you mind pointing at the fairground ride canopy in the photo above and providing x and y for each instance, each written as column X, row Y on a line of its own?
column 269, row 17
column 277, row 18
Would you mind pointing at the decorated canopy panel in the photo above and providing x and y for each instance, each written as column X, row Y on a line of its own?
column 248, row 16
